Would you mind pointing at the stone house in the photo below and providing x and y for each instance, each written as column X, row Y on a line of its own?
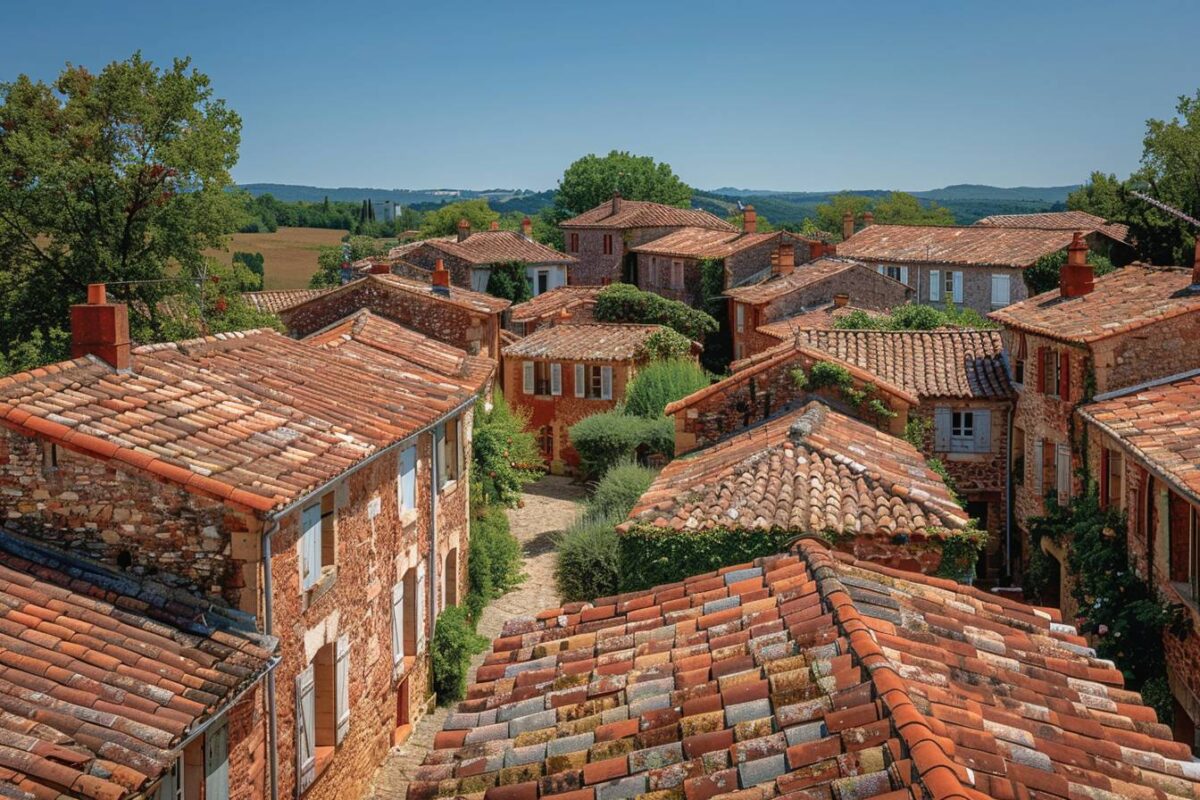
column 470, row 256
column 459, row 317
column 319, row 488
column 563, row 373
column 273, row 301
column 545, row 309
column 965, row 404
column 1091, row 336
column 602, row 239
column 1111, row 239
column 671, row 265
column 115, row 686
column 1142, row 445
column 978, row 266
column 819, row 317
column 794, row 290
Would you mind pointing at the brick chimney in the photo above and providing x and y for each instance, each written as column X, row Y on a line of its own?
column 1076, row 277
column 868, row 219
column 847, row 225
column 841, row 300
column 495, row 226
column 380, row 269
column 616, row 203
column 785, row 264
column 464, row 229
column 1196, row 267
column 527, row 228
column 441, row 278
column 101, row 329
column 816, row 250
column 564, row 316
column 749, row 220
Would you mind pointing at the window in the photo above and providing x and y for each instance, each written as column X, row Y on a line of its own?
column 741, row 318
column 408, row 614
column 895, row 273
column 537, row 377
column 555, row 378
column 1112, row 471
column 677, row 275
column 171, row 787
column 449, row 451
column 574, row 239
column 1062, row 473
column 398, row 628
column 590, row 381
column 1049, row 376
column 945, row 285
column 322, row 709
column 450, row 571
column 543, row 282
column 216, row 762
column 962, row 430
column 608, row 244
column 406, row 480
column 318, row 542
column 479, row 279
column 1001, row 294
column 49, row 458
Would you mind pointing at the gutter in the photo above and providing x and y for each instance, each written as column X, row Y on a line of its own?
column 1008, row 495
column 269, row 626
column 224, row 708
column 433, row 528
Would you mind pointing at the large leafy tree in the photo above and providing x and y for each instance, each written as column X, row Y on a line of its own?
column 591, row 180
column 443, row 221
column 897, row 208
column 119, row 176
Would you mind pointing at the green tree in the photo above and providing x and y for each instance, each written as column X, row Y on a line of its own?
column 1103, row 195
column 508, row 280
column 898, row 208
column 329, row 259
column 253, row 262
column 444, row 220
column 763, row 224
column 591, row 180
column 506, row 455
column 113, row 177
column 1044, row 274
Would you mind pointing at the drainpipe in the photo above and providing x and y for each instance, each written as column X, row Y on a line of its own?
column 1008, row 496
column 269, row 625
column 433, row 527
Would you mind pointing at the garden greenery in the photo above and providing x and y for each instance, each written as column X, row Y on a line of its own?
column 589, row 561
column 915, row 317
column 494, row 562
column 506, row 455
column 665, row 344
column 603, row 440
column 618, row 491
column 660, row 383
column 454, row 642
column 623, row 302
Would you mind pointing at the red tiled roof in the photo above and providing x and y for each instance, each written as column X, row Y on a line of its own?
column 974, row 245
column 103, row 676
column 709, row 243
column 1123, row 300
column 816, row 318
column 942, row 363
column 364, row 329
column 1060, row 220
column 553, row 301
column 802, row 276
column 806, row 676
column 643, row 214
column 585, row 341
column 274, row 301
column 1160, row 424
column 491, row 247
column 811, row 470
column 251, row 418
column 479, row 302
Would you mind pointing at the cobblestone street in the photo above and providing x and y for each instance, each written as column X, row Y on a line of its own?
column 549, row 506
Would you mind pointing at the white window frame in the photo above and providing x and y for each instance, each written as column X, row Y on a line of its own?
column 1001, row 290
column 1062, row 473
column 406, row 480
column 306, row 729
column 962, row 431
column 527, row 377
column 310, row 546
column 956, row 286
column 398, row 623
column 580, row 381
column 740, row 314
column 341, row 671
column 419, row 603
column 555, row 378
column 935, row 286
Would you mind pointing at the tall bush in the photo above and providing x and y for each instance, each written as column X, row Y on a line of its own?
column 589, row 564
column 618, row 491
column 454, row 642
column 494, row 565
column 603, row 440
column 623, row 302
column 661, row 383
column 506, row 455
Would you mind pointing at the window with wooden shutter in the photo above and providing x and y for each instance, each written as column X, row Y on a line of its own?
column 580, row 381
column 676, row 274
column 935, row 285
column 398, row 623
column 606, row 381
column 216, row 761
column 1000, row 291
column 407, row 480
column 527, row 377
column 958, row 287
column 574, row 242
column 941, row 429
column 1035, row 467
column 904, row 275
column 306, row 729
column 171, row 786
column 555, row 378
column 983, row 431
column 310, row 546
column 608, row 244
column 1062, row 465
column 740, row 313
column 1064, row 376
column 342, row 673
column 420, row 604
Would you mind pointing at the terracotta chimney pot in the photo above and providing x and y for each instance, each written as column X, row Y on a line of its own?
column 101, row 329
column 841, row 300
column 495, row 226
column 441, row 278
column 785, row 263
column 847, row 225
column 868, row 219
column 1077, row 277
column 527, row 228
column 749, row 220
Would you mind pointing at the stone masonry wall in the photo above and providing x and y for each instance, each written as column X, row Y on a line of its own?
column 977, row 283
column 594, row 267
column 1155, row 351
column 247, row 728
column 426, row 258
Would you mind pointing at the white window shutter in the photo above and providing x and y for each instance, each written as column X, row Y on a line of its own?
column 606, row 383
column 306, row 729
column 1035, row 474
column 398, row 623
column 941, row 429
column 580, row 388
column 216, row 762
column 408, row 479
column 904, row 275
column 310, row 547
column 420, row 607
column 527, row 370
column 958, row 287
column 882, row 270
column 1062, row 463
column 342, row 673
column 935, row 285
column 983, row 431
column 741, row 317
column 1000, row 291
column 555, row 378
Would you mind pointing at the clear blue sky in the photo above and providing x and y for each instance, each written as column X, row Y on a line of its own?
column 787, row 95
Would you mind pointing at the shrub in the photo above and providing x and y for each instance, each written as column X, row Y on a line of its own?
column 604, row 440
column 589, row 564
column 652, row 556
column 666, row 343
column 618, row 491
column 915, row 317
column 454, row 642
column 660, row 383
column 825, row 374
column 1044, row 274
column 494, row 565
column 623, row 302
column 507, row 280
column 658, row 436
column 506, row 456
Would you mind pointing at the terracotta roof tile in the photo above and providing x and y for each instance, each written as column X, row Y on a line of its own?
column 964, row 363
column 1060, row 220
column 1123, row 300
column 810, row 470
column 1159, row 424
column 251, row 418
column 817, row 318
column 585, row 341
column 489, row 247
column 803, row 275
column 554, row 301
column 794, row 688
column 972, row 245
column 709, row 243
column 94, row 669
column 643, row 214
column 274, row 301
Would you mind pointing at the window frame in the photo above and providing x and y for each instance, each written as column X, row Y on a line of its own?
column 962, row 431
column 573, row 242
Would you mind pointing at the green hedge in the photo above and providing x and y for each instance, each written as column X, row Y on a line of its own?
column 604, row 440
column 618, row 491
column 624, row 302
column 589, row 559
column 653, row 556
column 454, row 642
column 663, row 382
column 494, row 562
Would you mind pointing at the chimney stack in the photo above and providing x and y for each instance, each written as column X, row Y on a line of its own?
column 868, row 219
column 441, row 278
column 749, row 220
column 841, row 300
column 616, row 203
column 380, row 269
column 1196, row 267
column 816, row 250
column 527, row 228
column 1076, row 278
column 564, row 316
column 101, row 329
column 785, row 264
column 464, row 229
column 495, row 226
column 847, row 225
